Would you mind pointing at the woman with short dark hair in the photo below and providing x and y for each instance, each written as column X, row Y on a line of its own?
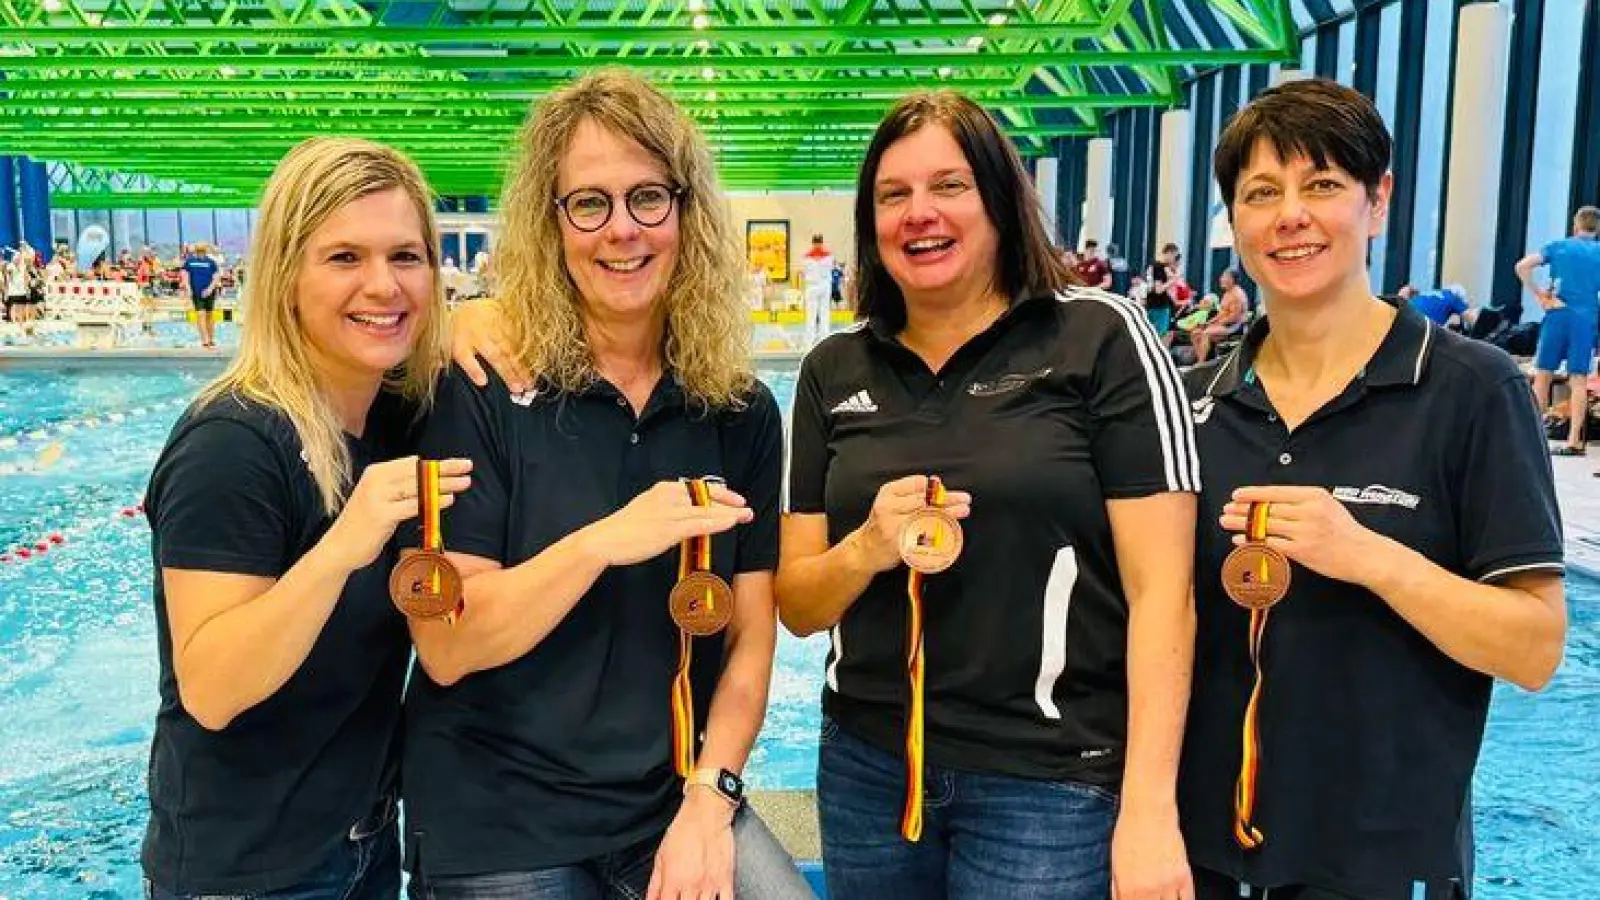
column 1048, row 669
column 1387, row 481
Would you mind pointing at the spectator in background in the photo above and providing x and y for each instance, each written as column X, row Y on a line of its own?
column 1159, row 303
column 1572, row 308
column 199, row 276
column 1233, row 310
column 1441, row 306
column 450, row 274
column 1092, row 267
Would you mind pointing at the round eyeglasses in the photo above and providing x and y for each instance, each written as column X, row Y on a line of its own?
column 589, row 209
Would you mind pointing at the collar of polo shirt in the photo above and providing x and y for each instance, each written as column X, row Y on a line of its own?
column 1401, row 358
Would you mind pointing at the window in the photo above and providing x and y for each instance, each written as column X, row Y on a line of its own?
column 1426, row 226
column 1553, row 133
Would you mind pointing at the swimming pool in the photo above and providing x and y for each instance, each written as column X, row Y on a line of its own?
column 78, row 668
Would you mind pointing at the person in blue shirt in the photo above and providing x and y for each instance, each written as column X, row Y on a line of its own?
column 200, row 277
column 1572, row 309
column 1442, row 305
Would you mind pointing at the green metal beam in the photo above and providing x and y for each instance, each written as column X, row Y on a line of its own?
column 550, row 62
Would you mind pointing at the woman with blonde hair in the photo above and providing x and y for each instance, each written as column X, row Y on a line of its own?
column 274, row 762
column 552, row 747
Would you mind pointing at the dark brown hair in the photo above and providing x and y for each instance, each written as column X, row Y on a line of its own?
column 1027, row 264
column 1315, row 118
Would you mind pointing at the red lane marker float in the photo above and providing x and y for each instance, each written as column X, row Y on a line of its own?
column 55, row 538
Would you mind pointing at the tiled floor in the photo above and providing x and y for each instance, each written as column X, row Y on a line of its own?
column 1579, row 493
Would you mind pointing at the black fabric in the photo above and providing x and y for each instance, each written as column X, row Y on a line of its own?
column 1158, row 298
column 257, row 805
column 1057, row 407
column 1369, row 733
column 565, row 754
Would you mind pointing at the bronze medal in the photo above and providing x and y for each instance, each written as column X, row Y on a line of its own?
column 1256, row 576
column 425, row 585
column 931, row 540
column 701, row 604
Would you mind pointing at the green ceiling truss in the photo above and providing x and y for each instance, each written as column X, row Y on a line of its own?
column 188, row 103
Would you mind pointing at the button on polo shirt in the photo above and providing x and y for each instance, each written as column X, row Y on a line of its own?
column 1065, row 402
column 1369, row 733
column 565, row 754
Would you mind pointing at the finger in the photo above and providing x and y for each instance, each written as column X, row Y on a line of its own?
column 1282, row 511
column 1234, row 522
column 455, row 466
column 911, row 484
column 1277, row 493
column 654, row 891
column 722, row 495
column 455, row 485
column 472, row 368
column 956, row 498
column 960, row 511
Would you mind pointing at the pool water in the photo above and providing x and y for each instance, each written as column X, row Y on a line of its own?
column 78, row 667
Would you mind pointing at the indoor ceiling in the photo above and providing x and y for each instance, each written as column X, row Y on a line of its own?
column 165, row 103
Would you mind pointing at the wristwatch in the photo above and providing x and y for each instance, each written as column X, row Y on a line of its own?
column 725, row 784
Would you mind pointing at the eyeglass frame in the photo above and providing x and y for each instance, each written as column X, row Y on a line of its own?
column 676, row 193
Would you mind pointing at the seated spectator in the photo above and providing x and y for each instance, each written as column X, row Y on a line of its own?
column 1441, row 306
column 1232, row 314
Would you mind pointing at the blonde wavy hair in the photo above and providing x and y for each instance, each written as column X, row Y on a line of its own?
column 274, row 364
column 707, row 340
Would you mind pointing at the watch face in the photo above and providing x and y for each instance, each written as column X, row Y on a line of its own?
column 729, row 784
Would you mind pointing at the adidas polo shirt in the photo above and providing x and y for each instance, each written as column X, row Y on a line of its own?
column 1062, row 404
column 1369, row 733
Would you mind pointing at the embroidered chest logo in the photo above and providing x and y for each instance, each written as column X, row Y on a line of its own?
column 1202, row 409
column 1005, row 384
column 1376, row 495
column 859, row 402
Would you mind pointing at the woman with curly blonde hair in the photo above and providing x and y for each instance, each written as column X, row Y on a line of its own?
column 552, row 748
column 273, row 768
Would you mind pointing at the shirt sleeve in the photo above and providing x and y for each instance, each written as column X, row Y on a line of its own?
column 808, row 443
column 759, row 436
column 1143, row 440
column 463, row 424
column 1507, row 518
column 221, row 502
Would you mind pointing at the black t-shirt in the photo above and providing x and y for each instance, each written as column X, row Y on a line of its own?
column 1059, row 406
column 1368, row 733
column 565, row 754
column 1159, row 298
column 258, row 805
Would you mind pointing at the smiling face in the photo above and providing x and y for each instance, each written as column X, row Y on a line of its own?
column 622, row 270
column 1301, row 232
column 365, row 288
column 933, row 233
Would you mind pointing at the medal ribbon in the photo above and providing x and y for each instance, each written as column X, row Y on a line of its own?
column 695, row 556
column 1244, row 795
column 916, row 671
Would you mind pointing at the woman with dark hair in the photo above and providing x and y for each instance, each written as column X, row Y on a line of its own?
column 1387, row 481
column 1049, row 668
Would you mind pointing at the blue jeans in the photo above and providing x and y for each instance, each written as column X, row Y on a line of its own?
column 366, row 866
column 983, row 836
column 762, row 871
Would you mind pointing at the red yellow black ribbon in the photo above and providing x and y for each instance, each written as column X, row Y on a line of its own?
column 428, row 496
column 916, row 671
column 1244, row 795
column 695, row 556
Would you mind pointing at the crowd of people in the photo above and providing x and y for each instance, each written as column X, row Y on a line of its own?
column 1045, row 560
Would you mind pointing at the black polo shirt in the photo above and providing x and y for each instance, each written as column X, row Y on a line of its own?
column 1064, row 403
column 259, row 805
column 565, row 754
column 1369, row 733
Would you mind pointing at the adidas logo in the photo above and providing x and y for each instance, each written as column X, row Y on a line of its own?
column 859, row 402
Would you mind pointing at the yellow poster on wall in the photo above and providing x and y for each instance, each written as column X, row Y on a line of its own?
column 766, row 243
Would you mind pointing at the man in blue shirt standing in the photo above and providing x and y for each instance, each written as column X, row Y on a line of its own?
column 1572, row 311
column 200, row 276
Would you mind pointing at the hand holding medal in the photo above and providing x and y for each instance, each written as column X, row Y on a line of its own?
column 425, row 584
